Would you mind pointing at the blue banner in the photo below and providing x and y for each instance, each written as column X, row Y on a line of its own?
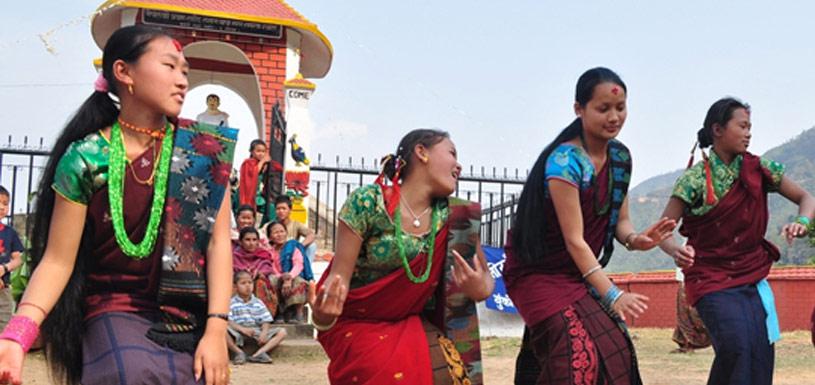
column 499, row 300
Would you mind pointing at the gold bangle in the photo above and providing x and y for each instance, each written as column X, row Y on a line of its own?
column 323, row 328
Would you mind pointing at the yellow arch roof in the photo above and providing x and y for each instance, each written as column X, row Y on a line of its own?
column 316, row 48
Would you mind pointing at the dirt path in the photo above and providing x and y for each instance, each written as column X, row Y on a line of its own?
column 794, row 358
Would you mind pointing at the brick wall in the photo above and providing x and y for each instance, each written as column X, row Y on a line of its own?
column 794, row 290
column 268, row 57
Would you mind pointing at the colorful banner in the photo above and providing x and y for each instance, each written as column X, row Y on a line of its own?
column 499, row 300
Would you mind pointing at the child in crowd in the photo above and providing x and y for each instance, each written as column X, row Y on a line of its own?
column 10, row 258
column 252, row 176
column 250, row 323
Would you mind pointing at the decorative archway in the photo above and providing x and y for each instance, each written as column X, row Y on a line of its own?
column 262, row 49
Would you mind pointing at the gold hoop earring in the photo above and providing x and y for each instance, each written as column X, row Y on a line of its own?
column 130, row 89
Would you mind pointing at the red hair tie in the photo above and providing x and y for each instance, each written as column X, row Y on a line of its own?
column 390, row 193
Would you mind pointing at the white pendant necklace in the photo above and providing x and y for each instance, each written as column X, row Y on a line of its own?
column 416, row 222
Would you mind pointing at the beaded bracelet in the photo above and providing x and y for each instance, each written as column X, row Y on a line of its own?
column 323, row 328
column 612, row 295
column 803, row 220
column 22, row 330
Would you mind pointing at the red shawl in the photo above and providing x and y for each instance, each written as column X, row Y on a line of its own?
column 247, row 189
column 260, row 261
column 729, row 239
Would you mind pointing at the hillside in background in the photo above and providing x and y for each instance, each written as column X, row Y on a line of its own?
column 648, row 199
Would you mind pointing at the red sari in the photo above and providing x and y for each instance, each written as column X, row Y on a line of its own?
column 394, row 331
column 375, row 342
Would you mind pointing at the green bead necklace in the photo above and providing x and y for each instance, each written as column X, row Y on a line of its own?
column 116, row 191
column 431, row 243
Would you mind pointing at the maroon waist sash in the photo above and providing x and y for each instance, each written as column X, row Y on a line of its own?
column 729, row 239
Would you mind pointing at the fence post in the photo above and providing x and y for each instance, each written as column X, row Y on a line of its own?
column 490, row 227
column 503, row 210
column 334, row 217
column 13, row 194
column 317, row 211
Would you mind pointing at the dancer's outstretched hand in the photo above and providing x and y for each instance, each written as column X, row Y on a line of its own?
column 654, row 235
column 632, row 303
column 11, row 362
column 793, row 230
column 476, row 281
column 327, row 303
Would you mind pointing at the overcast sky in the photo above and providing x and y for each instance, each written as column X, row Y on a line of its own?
column 499, row 76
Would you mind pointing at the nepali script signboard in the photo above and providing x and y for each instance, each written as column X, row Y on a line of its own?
column 207, row 23
column 499, row 300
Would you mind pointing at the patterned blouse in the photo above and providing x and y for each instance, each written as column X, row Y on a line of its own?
column 571, row 164
column 690, row 187
column 114, row 281
column 83, row 169
column 364, row 212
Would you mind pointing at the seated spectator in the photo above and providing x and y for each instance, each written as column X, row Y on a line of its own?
column 294, row 229
column 245, row 217
column 250, row 325
column 290, row 282
column 251, row 256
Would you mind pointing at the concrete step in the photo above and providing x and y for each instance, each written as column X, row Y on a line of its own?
column 298, row 348
column 298, row 331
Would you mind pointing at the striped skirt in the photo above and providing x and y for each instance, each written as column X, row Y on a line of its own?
column 116, row 351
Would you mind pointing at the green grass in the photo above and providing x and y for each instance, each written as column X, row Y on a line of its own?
column 794, row 362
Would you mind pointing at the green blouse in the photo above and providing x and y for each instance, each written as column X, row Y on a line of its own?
column 364, row 212
column 690, row 187
column 83, row 169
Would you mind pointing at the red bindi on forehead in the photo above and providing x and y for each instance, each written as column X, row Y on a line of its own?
column 177, row 45
column 615, row 90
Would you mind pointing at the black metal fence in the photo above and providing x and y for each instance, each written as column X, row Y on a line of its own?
column 21, row 165
column 329, row 186
column 497, row 190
